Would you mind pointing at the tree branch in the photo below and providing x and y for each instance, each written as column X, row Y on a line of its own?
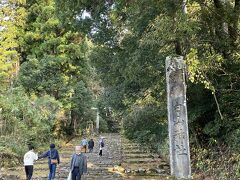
column 219, row 111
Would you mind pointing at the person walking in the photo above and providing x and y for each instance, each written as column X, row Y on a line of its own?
column 84, row 144
column 90, row 145
column 53, row 160
column 101, row 145
column 78, row 164
column 28, row 161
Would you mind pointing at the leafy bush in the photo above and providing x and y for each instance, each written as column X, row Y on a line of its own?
column 215, row 162
column 25, row 121
column 103, row 126
column 147, row 125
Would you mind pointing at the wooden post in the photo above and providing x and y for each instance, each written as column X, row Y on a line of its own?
column 177, row 118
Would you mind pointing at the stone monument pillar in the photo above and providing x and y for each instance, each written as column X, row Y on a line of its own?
column 177, row 118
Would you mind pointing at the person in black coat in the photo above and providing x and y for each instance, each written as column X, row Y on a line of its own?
column 90, row 145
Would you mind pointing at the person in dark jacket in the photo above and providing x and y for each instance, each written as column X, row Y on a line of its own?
column 53, row 160
column 78, row 164
column 90, row 145
column 101, row 145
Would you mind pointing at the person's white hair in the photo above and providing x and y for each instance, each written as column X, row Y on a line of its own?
column 78, row 147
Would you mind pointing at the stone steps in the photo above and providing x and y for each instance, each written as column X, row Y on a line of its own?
column 128, row 156
column 139, row 160
column 121, row 160
column 140, row 163
column 135, row 151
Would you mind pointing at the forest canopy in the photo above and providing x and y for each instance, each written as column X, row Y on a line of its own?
column 60, row 58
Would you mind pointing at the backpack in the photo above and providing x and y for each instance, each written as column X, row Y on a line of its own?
column 102, row 144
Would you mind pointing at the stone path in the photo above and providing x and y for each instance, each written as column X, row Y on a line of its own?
column 140, row 163
column 121, row 159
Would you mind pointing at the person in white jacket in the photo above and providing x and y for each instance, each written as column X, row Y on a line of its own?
column 28, row 160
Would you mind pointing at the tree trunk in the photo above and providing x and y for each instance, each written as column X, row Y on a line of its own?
column 234, row 19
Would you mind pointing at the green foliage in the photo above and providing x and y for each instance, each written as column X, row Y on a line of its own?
column 215, row 162
column 55, row 63
column 130, row 63
column 25, row 120
column 11, row 27
column 147, row 125
column 129, row 41
column 103, row 126
column 49, row 98
column 7, row 156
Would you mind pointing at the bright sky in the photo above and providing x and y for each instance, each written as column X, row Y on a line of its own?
column 85, row 14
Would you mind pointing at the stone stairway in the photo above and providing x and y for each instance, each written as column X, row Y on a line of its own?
column 122, row 159
column 104, row 167
column 98, row 167
column 140, row 163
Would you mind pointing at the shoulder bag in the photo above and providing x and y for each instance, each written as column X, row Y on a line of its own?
column 53, row 161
